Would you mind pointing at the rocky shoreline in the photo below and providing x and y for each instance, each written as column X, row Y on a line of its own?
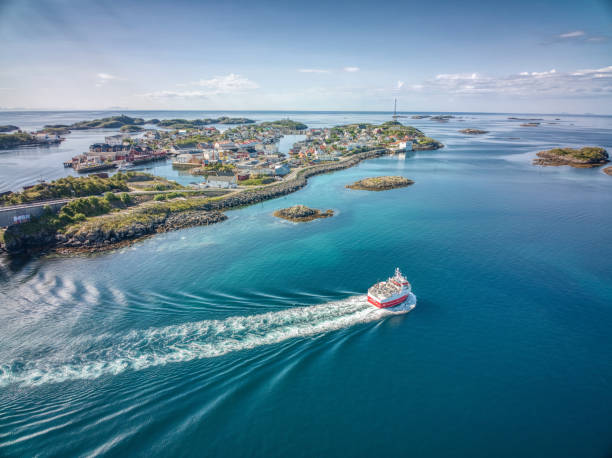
column 474, row 131
column 380, row 183
column 95, row 239
column 301, row 213
column 608, row 171
column 586, row 157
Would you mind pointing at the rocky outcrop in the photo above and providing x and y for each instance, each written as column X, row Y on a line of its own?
column 97, row 239
column 17, row 240
column 441, row 118
column 83, row 238
column 380, row 183
column 586, row 157
column 608, row 171
column 473, row 131
column 302, row 213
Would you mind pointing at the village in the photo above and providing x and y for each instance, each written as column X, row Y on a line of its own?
column 244, row 155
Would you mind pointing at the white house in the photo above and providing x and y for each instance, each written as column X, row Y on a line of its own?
column 406, row 146
column 222, row 181
column 116, row 139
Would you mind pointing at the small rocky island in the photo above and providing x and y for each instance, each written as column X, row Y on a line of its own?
column 302, row 213
column 608, row 171
column 380, row 183
column 588, row 156
column 474, row 131
column 8, row 128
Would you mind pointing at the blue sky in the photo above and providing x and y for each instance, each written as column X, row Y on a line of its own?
column 519, row 56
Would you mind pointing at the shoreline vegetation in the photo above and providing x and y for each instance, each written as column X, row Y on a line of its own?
column 301, row 213
column 11, row 136
column 585, row 157
column 114, row 122
column 104, row 213
column 23, row 139
column 380, row 183
column 8, row 128
column 96, row 226
column 473, row 131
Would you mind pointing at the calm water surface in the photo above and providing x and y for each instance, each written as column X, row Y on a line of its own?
column 252, row 337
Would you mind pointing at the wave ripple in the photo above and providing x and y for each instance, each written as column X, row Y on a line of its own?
column 141, row 349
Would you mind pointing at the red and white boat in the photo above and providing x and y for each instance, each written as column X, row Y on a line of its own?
column 394, row 292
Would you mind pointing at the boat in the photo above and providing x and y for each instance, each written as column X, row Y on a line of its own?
column 393, row 294
column 94, row 167
column 123, row 166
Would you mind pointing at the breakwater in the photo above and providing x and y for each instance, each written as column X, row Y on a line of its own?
column 92, row 237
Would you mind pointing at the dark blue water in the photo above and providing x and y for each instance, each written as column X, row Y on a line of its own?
column 252, row 337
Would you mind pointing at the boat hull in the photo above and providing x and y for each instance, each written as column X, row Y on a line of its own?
column 388, row 303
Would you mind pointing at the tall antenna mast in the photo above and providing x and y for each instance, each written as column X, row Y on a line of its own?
column 395, row 116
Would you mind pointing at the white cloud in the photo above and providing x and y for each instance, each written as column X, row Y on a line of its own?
column 598, row 39
column 351, row 69
column 313, row 70
column 574, row 34
column 219, row 85
column 175, row 95
column 550, row 82
column 400, row 84
column 597, row 73
column 103, row 78
column 227, row 84
column 457, row 76
column 540, row 74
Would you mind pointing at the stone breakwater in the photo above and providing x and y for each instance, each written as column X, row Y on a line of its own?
column 97, row 239
column 290, row 185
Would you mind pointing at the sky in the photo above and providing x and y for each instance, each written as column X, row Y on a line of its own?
column 520, row 56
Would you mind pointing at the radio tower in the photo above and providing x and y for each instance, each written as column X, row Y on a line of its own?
column 395, row 115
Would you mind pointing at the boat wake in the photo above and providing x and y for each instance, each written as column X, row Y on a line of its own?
column 141, row 349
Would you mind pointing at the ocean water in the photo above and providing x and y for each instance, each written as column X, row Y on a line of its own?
column 252, row 337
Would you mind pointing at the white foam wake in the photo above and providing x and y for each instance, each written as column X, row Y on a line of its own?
column 146, row 348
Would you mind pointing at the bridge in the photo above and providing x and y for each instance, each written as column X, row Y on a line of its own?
column 14, row 214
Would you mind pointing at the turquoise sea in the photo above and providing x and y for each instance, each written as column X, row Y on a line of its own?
column 253, row 338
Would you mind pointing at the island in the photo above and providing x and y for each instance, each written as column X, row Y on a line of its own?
column 301, row 213
column 420, row 116
column 530, row 124
column 425, row 143
column 441, row 118
column 242, row 166
column 284, row 124
column 111, row 122
column 380, row 183
column 586, row 157
column 194, row 123
column 608, row 171
column 56, row 129
column 26, row 139
column 8, row 128
column 474, row 131
column 131, row 128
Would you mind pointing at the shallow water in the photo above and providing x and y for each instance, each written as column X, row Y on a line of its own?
column 252, row 337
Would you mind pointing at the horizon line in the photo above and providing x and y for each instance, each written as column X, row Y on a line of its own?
column 22, row 110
